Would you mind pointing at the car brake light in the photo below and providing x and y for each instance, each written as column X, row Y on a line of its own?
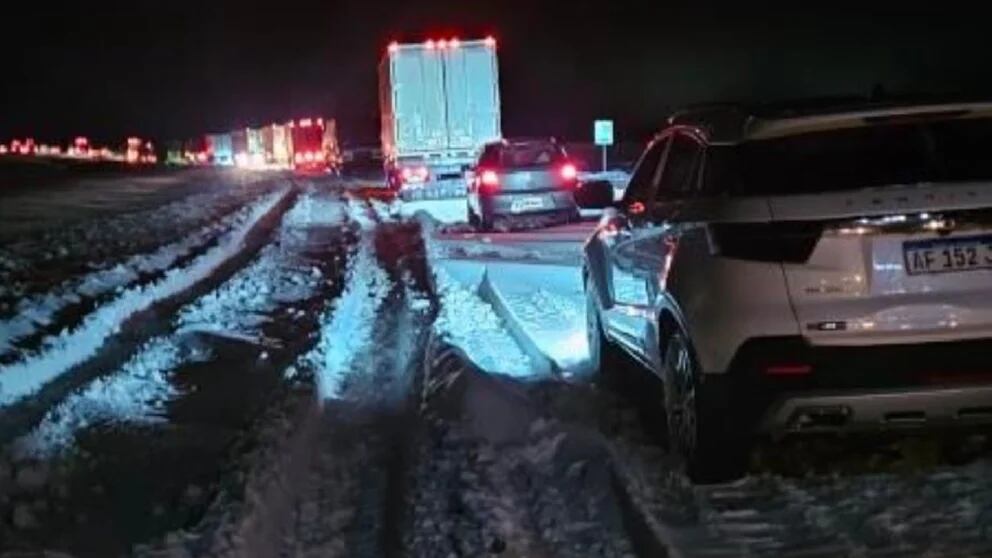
column 568, row 171
column 489, row 179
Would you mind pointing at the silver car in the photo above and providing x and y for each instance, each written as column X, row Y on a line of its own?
column 518, row 181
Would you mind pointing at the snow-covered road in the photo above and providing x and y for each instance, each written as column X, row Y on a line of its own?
column 292, row 368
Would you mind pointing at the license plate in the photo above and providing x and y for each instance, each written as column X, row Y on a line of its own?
column 947, row 254
column 529, row 203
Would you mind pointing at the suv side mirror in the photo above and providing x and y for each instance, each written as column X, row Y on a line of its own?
column 595, row 194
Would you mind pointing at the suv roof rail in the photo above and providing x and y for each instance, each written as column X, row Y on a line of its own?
column 721, row 121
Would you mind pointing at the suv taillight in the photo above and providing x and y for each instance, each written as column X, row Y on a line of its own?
column 785, row 242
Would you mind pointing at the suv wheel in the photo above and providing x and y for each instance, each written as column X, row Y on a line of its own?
column 700, row 426
column 605, row 356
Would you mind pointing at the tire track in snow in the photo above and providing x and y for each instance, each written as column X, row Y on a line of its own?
column 65, row 305
column 26, row 377
column 354, row 502
column 272, row 300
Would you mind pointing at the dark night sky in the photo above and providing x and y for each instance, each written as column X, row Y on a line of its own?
column 170, row 69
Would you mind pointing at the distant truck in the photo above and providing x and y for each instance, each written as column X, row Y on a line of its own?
column 220, row 148
column 439, row 103
column 281, row 147
column 256, row 147
column 314, row 145
column 239, row 146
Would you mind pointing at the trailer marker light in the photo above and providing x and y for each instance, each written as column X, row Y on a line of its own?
column 442, row 44
column 490, row 41
column 454, row 43
column 394, row 47
column 429, row 45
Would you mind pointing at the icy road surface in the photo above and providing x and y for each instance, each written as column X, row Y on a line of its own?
column 290, row 367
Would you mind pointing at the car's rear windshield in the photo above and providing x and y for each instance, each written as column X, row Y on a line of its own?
column 879, row 154
column 531, row 155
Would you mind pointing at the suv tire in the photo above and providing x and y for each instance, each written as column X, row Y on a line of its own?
column 701, row 427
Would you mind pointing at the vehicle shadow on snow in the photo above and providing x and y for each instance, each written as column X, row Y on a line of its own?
column 503, row 473
column 902, row 451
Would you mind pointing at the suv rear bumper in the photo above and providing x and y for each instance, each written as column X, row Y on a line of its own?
column 882, row 387
column 877, row 410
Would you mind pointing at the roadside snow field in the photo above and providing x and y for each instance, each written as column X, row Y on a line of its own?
column 240, row 307
column 27, row 376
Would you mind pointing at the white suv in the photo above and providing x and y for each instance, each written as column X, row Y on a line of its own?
column 803, row 272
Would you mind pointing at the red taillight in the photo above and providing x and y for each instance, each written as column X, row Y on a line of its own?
column 489, row 179
column 788, row 369
column 305, row 122
column 318, row 155
column 308, row 156
column 491, row 42
column 454, row 43
column 394, row 47
column 442, row 44
column 429, row 45
column 298, row 158
column 569, row 172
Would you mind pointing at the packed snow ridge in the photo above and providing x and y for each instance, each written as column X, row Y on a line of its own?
column 70, row 348
column 136, row 393
column 346, row 330
column 38, row 311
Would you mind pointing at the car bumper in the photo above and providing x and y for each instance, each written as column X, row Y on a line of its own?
column 551, row 202
column 850, row 389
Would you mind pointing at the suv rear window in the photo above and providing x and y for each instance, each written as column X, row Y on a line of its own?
column 848, row 159
column 531, row 155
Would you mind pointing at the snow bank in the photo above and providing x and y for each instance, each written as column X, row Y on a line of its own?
column 467, row 322
column 26, row 377
column 444, row 211
column 346, row 329
column 547, row 303
column 361, row 213
column 313, row 209
column 136, row 393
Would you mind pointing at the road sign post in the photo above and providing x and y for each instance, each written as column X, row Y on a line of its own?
column 602, row 132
